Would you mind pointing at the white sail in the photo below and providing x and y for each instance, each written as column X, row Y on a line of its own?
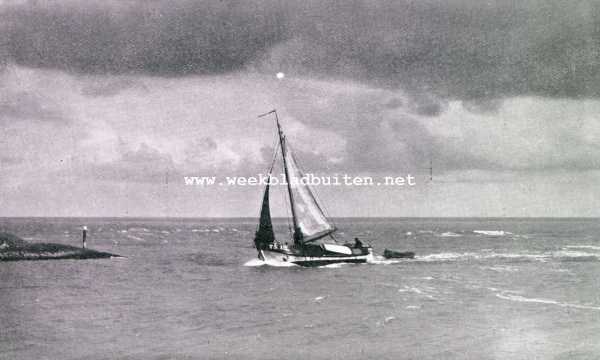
column 310, row 218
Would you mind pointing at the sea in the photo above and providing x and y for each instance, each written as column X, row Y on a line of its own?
column 194, row 289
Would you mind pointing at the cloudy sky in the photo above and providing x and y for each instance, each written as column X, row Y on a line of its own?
column 105, row 106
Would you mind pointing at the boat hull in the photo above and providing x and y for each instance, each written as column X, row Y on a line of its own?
column 312, row 261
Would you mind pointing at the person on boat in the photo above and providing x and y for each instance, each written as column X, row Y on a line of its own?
column 357, row 243
column 84, row 236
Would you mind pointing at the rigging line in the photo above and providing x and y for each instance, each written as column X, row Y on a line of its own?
column 275, row 152
column 287, row 206
column 285, row 200
column 277, row 147
column 286, row 203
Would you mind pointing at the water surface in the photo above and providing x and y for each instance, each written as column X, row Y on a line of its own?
column 190, row 289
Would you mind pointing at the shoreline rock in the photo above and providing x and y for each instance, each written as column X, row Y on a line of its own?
column 13, row 248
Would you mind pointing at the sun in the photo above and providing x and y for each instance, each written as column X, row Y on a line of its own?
column 280, row 75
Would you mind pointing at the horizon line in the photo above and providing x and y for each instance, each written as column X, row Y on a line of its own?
column 283, row 217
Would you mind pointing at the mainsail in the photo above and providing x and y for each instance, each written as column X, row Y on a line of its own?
column 310, row 219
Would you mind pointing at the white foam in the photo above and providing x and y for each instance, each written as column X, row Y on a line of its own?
column 450, row 234
column 388, row 319
column 417, row 291
column 275, row 263
column 380, row 260
column 500, row 268
column 255, row 262
column 542, row 257
column 332, row 266
column 492, row 232
column 446, row 256
column 133, row 237
column 575, row 255
column 450, row 256
column 588, row 247
column 537, row 257
column 410, row 289
column 519, row 298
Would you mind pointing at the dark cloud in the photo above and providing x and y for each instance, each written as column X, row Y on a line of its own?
column 158, row 37
column 456, row 49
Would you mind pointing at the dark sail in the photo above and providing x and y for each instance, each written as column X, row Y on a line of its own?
column 264, row 234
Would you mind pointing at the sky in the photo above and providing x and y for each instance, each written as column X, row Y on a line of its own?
column 106, row 106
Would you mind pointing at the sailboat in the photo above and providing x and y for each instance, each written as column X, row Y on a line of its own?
column 312, row 236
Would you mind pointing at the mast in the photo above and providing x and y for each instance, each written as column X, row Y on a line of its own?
column 297, row 232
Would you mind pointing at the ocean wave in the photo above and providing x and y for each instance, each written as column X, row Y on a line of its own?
column 138, row 229
column 501, row 268
column 574, row 256
column 274, row 263
column 586, row 247
column 133, row 237
column 380, row 260
column 446, row 256
column 416, row 290
column 465, row 256
column 519, row 298
column 333, row 266
column 449, row 234
column 519, row 257
column 511, row 257
column 492, row 232
column 389, row 319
